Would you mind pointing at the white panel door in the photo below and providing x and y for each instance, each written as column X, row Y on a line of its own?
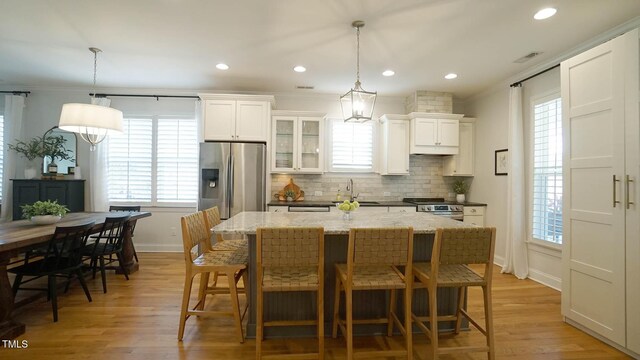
column 425, row 132
column 252, row 120
column 397, row 147
column 632, row 198
column 448, row 133
column 593, row 279
column 219, row 119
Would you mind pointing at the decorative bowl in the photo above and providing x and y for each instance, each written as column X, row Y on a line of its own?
column 45, row 219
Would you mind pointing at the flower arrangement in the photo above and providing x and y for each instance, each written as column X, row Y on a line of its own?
column 460, row 186
column 41, row 146
column 40, row 208
column 348, row 206
column 290, row 195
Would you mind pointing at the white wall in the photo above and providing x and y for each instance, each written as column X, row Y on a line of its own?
column 492, row 113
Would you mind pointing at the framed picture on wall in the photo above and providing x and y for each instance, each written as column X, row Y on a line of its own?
column 501, row 161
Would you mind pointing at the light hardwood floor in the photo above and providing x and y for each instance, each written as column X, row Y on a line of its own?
column 138, row 319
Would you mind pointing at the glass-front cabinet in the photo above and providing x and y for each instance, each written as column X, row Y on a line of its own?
column 297, row 142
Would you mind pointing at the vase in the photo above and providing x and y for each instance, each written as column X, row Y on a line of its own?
column 346, row 215
column 289, row 198
column 45, row 219
column 30, row 173
column 460, row 198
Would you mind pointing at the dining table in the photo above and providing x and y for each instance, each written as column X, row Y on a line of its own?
column 17, row 237
column 371, row 304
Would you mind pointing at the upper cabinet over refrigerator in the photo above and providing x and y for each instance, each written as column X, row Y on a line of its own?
column 236, row 117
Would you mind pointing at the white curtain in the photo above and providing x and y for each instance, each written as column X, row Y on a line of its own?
column 516, row 248
column 13, row 106
column 98, row 163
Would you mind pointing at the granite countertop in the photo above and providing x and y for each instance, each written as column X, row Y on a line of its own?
column 378, row 203
column 247, row 222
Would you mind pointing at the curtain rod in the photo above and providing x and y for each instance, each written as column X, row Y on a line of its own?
column 518, row 83
column 147, row 96
column 25, row 93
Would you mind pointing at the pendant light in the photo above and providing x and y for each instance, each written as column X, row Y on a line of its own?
column 357, row 104
column 92, row 122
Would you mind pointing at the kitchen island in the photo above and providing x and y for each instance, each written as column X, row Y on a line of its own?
column 367, row 304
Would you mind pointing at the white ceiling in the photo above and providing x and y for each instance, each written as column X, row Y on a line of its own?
column 175, row 44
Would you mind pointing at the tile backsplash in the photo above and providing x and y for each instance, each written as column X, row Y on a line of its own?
column 424, row 180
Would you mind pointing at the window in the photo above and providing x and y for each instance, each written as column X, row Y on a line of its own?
column 352, row 146
column 1, row 152
column 155, row 162
column 547, row 170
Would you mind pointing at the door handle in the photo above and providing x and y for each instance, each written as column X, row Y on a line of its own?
column 629, row 203
column 614, row 191
column 231, row 179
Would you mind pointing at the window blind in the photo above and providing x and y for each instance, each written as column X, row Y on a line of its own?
column 177, row 160
column 547, row 171
column 130, row 161
column 352, row 146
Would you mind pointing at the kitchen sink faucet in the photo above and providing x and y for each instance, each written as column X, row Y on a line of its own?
column 350, row 190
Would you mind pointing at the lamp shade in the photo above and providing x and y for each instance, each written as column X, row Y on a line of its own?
column 357, row 105
column 90, row 119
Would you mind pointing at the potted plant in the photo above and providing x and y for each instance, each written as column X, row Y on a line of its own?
column 30, row 150
column 44, row 212
column 460, row 187
column 39, row 147
column 53, row 147
column 289, row 195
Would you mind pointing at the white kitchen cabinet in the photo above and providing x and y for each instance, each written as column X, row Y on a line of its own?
column 371, row 210
column 402, row 209
column 394, row 149
column 236, row 117
column 474, row 215
column 297, row 142
column 278, row 208
column 601, row 221
column 462, row 163
column 434, row 133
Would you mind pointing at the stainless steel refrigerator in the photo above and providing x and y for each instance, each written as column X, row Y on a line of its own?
column 232, row 177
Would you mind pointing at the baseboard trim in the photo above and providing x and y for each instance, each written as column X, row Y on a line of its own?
column 545, row 279
column 498, row 260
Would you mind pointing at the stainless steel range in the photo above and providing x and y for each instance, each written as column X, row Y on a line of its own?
column 437, row 206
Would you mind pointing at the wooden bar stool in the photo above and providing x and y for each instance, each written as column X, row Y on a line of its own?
column 453, row 250
column 232, row 263
column 373, row 257
column 290, row 259
column 212, row 218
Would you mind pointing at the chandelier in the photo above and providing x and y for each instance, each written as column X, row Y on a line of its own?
column 357, row 104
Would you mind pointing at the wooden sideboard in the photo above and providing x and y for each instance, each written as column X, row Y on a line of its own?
column 67, row 192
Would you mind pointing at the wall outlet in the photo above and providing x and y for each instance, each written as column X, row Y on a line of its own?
column 317, row 193
column 386, row 193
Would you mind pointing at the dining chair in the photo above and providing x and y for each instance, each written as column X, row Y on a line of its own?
column 290, row 259
column 374, row 256
column 453, row 250
column 61, row 257
column 233, row 263
column 107, row 243
column 132, row 223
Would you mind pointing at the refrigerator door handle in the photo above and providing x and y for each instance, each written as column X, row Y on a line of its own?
column 231, row 176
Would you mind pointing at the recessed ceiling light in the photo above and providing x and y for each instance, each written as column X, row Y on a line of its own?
column 388, row 73
column 300, row 69
column 222, row 66
column 545, row 13
column 451, row 76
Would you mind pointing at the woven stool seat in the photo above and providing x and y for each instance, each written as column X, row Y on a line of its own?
column 372, row 277
column 223, row 259
column 452, row 275
column 299, row 278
